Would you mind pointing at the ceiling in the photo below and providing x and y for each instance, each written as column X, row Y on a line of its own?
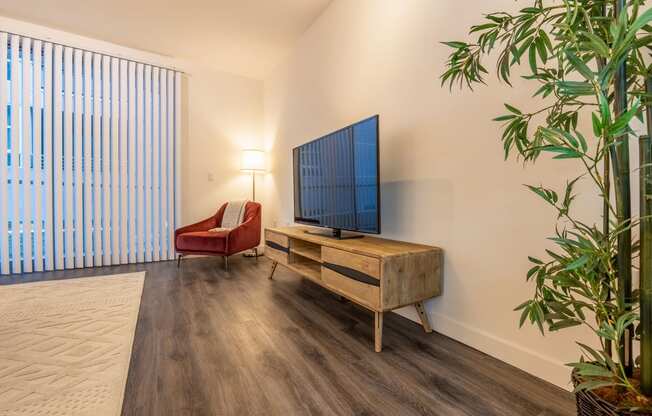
column 245, row 37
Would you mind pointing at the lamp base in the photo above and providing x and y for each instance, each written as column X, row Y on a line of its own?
column 252, row 253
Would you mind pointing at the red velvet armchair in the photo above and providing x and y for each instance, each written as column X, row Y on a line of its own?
column 196, row 239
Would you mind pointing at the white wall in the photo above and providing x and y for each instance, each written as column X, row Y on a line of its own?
column 444, row 180
column 222, row 114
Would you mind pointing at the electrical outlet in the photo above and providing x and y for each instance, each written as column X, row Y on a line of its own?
column 211, row 177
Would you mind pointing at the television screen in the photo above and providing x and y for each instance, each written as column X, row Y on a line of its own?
column 336, row 181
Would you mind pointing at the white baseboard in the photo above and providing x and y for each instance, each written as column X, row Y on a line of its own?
column 535, row 363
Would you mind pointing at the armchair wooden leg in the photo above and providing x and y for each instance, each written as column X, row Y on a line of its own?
column 423, row 315
column 226, row 263
column 179, row 260
column 271, row 273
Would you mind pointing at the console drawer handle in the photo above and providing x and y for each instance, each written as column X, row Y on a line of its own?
column 352, row 274
column 276, row 246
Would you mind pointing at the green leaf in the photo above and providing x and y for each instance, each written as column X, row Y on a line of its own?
column 641, row 21
column 606, row 333
column 456, row 44
column 534, row 260
column 622, row 122
column 592, row 385
column 513, row 109
column 532, row 58
column 494, row 18
column 482, row 27
column 541, row 48
column 569, row 138
column 624, row 322
column 562, row 152
column 505, row 117
column 577, row 263
column 580, row 66
column 575, row 88
column 562, row 324
column 605, row 112
column 549, row 196
column 546, row 40
column 544, row 89
column 594, row 354
column 583, row 145
column 597, row 126
column 598, row 45
column 617, row 29
column 592, row 370
column 538, row 316
column 524, row 315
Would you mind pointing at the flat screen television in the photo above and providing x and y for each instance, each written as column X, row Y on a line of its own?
column 336, row 180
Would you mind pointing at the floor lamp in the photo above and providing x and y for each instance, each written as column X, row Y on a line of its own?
column 253, row 161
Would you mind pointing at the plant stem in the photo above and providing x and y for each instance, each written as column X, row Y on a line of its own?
column 620, row 157
column 646, row 264
column 606, row 205
column 645, row 284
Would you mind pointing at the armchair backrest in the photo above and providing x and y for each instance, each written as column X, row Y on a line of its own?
column 252, row 210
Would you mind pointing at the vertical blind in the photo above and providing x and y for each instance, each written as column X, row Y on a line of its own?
column 88, row 158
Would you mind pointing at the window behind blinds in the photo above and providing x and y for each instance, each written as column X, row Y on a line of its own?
column 88, row 174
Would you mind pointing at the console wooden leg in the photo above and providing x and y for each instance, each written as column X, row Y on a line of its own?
column 271, row 273
column 378, row 331
column 423, row 315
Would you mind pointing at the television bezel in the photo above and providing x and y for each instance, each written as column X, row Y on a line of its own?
column 378, row 216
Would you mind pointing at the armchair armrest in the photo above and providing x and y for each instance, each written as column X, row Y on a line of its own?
column 245, row 236
column 203, row 225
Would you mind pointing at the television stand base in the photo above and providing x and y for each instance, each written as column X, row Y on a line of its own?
column 336, row 233
column 377, row 274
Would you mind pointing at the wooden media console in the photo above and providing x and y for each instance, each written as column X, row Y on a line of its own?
column 376, row 273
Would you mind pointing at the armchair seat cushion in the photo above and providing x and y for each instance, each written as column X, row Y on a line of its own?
column 203, row 241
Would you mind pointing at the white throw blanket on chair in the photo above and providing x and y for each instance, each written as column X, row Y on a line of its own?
column 233, row 216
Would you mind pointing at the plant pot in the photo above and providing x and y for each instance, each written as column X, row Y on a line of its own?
column 590, row 404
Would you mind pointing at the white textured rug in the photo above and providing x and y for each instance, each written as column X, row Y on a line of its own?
column 65, row 345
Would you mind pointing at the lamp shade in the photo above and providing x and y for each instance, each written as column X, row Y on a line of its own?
column 253, row 161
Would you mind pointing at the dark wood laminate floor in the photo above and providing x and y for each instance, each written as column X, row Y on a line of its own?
column 211, row 342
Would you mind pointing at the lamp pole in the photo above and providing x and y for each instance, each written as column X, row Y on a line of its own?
column 253, row 161
column 253, row 181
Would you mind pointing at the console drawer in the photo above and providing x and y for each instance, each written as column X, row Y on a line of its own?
column 276, row 238
column 276, row 247
column 363, row 293
column 369, row 266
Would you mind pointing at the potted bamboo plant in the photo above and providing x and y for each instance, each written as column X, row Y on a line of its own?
column 589, row 64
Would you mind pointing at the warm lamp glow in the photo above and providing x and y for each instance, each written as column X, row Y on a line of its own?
column 253, row 161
